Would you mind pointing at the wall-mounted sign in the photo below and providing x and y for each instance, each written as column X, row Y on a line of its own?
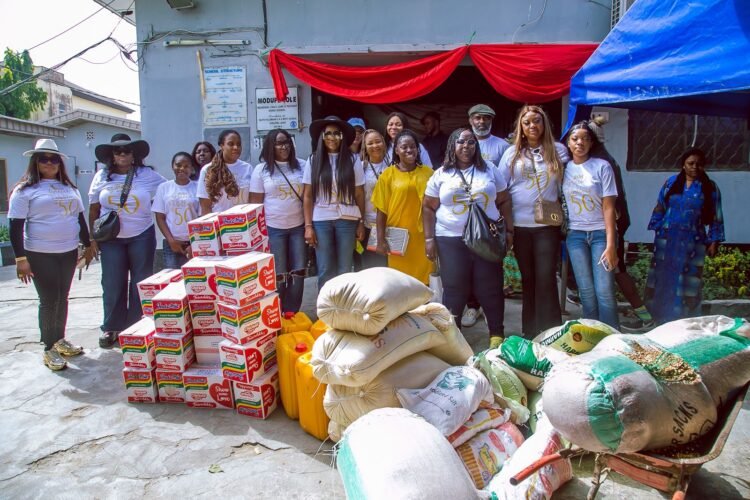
column 271, row 114
column 225, row 100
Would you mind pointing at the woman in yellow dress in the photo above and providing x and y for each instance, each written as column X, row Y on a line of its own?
column 398, row 199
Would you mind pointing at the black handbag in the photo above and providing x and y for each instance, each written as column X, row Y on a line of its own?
column 107, row 227
column 483, row 236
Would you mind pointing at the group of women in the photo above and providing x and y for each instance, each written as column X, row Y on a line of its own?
column 337, row 197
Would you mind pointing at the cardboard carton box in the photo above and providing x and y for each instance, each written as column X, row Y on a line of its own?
column 246, row 362
column 205, row 318
column 246, row 278
column 171, row 310
column 207, row 347
column 199, row 276
column 240, row 324
column 242, row 227
column 204, row 235
column 264, row 246
column 259, row 398
column 174, row 351
column 140, row 385
column 152, row 285
column 169, row 384
column 206, row 388
column 137, row 344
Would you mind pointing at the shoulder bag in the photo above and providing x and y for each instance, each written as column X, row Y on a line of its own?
column 549, row 213
column 107, row 227
column 483, row 236
column 311, row 265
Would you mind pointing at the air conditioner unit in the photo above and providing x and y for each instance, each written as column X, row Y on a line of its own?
column 180, row 4
column 619, row 7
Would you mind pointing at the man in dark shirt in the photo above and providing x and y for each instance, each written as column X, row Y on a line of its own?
column 435, row 141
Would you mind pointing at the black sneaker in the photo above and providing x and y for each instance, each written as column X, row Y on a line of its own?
column 637, row 326
column 108, row 339
column 574, row 299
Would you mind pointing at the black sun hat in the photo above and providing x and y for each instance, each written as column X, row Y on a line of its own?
column 317, row 126
column 140, row 147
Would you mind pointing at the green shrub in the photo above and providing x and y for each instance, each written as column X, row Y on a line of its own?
column 4, row 233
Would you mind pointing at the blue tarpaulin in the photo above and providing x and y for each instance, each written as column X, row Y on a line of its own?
column 682, row 56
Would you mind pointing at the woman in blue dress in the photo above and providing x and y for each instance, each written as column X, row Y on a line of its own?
column 688, row 203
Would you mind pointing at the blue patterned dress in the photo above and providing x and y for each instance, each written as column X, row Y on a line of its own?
column 675, row 280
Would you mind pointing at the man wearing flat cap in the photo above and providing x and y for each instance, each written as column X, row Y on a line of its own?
column 491, row 146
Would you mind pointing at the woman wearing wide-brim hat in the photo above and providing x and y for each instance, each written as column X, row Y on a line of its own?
column 334, row 197
column 46, row 225
column 131, row 253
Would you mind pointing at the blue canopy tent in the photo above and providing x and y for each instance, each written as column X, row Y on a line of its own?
column 681, row 56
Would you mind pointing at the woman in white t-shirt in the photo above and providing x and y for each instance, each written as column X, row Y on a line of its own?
column 394, row 124
column 46, row 223
column 128, row 258
column 373, row 164
column 225, row 182
column 277, row 183
column 590, row 194
column 334, row 198
column 174, row 205
column 444, row 215
column 533, row 168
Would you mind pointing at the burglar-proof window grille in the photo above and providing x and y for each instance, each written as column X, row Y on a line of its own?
column 656, row 140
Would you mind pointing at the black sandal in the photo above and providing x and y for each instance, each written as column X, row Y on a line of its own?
column 108, row 339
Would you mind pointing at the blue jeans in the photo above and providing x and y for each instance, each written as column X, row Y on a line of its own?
column 335, row 248
column 464, row 274
column 122, row 258
column 289, row 252
column 596, row 286
column 172, row 260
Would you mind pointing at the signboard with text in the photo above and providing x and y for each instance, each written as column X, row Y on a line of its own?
column 225, row 102
column 271, row 114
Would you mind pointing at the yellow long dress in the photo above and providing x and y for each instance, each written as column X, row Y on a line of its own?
column 399, row 195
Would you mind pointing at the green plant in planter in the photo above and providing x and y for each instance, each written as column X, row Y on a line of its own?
column 726, row 275
column 4, row 233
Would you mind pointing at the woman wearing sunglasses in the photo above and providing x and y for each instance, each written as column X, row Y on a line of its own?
column 131, row 253
column 533, row 169
column 334, row 198
column 46, row 224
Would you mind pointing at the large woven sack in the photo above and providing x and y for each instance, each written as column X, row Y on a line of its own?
column 450, row 399
column 575, row 336
column 604, row 401
column 484, row 454
column 456, row 350
column 365, row 302
column 530, row 361
column 345, row 404
column 394, row 454
column 346, row 358
column 509, row 391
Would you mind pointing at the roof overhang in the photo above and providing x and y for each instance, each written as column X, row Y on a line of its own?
column 121, row 8
column 15, row 126
column 78, row 116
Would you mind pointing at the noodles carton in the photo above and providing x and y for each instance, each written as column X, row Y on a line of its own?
column 206, row 388
column 240, row 324
column 169, row 384
column 204, row 235
column 199, row 276
column 140, row 385
column 242, row 227
column 205, row 318
column 152, row 285
column 259, row 398
column 171, row 310
column 207, row 347
column 246, row 278
column 264, row 246
column 174, row 351
column 137, row 344
column 246, row 362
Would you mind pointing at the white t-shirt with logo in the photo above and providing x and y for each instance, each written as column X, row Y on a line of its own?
column 179, row 204
column 492, row 148
column 51, row 211
column 282, row 207
column 522, row 185
column 453, row 211
column 242, row 172
column 325, row 209
column 371, row 169
column 584, row 187
column 135, row 216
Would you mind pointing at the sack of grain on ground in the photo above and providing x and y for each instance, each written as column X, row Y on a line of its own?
column 487, row 416
column 509, row 391
column 484, row 454
column 456, row 350
column 530, row 361
column 576, row 336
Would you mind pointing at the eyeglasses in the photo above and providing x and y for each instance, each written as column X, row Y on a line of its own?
column 332, row 134
column 54, row 159
column 470, row 142
column 122, row 151
column 283, row 144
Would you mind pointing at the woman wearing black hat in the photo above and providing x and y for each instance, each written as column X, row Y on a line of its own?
column 334, row 198
column 131, row 252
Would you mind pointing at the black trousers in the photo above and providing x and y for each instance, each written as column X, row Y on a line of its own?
column 53, row 275
column 537, row 250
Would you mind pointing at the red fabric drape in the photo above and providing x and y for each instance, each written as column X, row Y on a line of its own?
column 527, row 73
column 370, row 84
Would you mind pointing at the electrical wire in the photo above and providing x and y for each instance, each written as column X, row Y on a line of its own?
column 76, row 24
column 529, row 23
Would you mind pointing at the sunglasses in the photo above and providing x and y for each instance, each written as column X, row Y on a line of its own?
column 470, row 142
column 54, row 159
column 336, row 135
column 122, row 151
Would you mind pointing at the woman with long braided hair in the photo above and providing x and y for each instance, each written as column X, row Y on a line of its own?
column 225, row 181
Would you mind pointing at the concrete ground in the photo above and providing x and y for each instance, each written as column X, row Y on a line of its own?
column 71, row 434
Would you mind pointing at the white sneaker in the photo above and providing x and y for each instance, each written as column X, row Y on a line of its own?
column 471, row 316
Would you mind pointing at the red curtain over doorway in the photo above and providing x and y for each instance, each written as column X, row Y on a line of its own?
column 532, row 73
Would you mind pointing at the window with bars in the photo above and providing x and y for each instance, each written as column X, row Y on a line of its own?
column 656, row 140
